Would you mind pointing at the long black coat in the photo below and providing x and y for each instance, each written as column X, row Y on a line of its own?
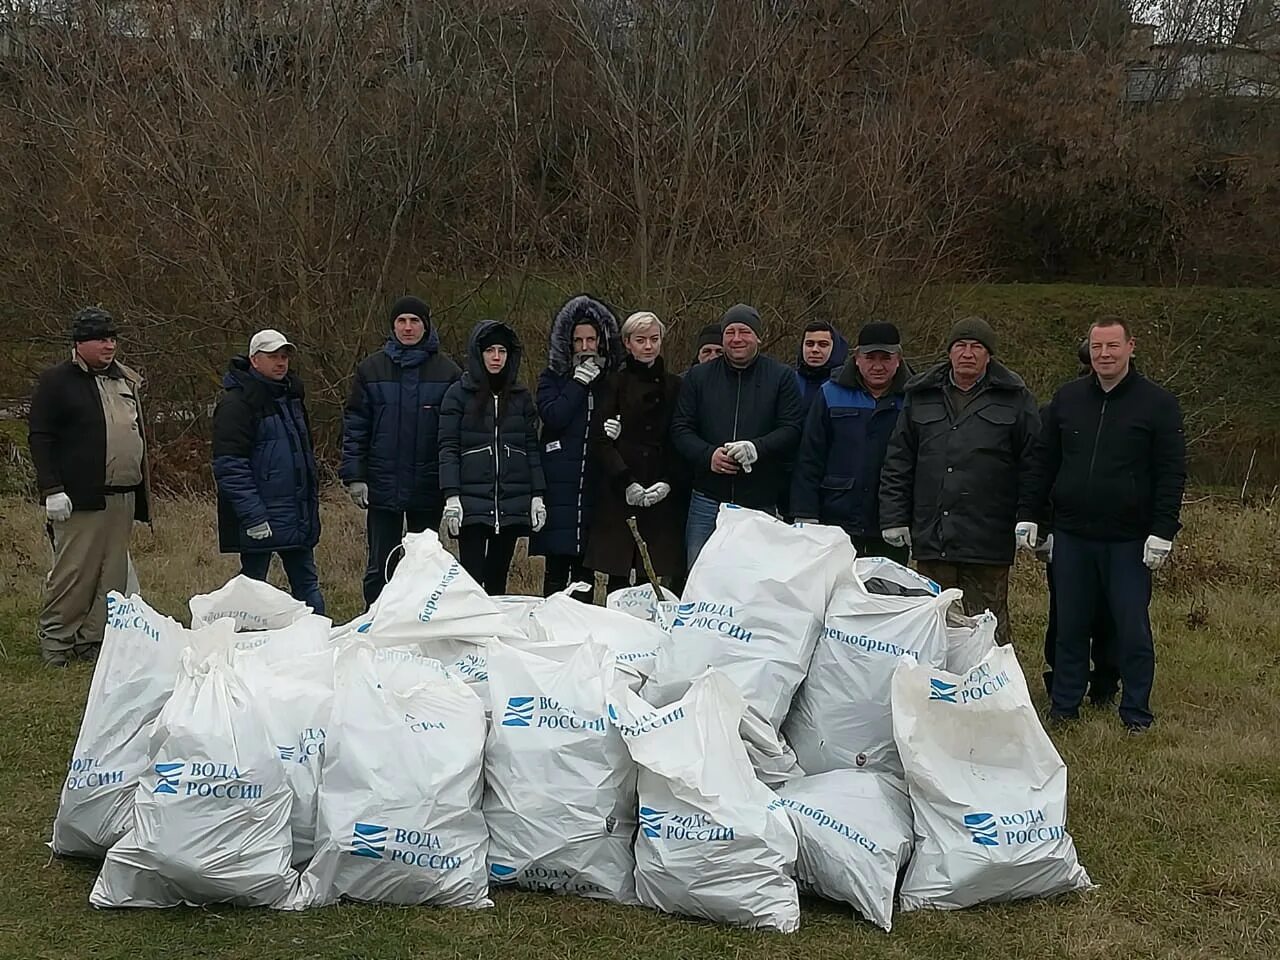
column 645, row 398
column 490, row 461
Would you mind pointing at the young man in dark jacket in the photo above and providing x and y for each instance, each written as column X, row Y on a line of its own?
column 823, row 350
column 845, row 440
column 584, row 345
column 89, row 451
column 737, row 425
column 490, row 469
column 390, row 437
column 265, row 467
column 1113, row 465
column 960, row 469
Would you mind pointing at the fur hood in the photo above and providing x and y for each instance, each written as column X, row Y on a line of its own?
column 584, row 309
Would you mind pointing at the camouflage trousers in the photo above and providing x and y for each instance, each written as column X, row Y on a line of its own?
column 985, row 586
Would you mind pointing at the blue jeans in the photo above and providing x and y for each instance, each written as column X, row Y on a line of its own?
column 1089, row 575
column 385, row 529
column 700, row 526
column 299, row 567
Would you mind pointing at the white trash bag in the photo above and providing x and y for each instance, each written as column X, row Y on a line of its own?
column 841, row 719
column 211, row 814
column 560, row 625
column 854, row 828
column 988, row 789
column 132, row 681
column 969, row 640
column 252, row 604
column 714, row 842
column 560, row 797
column 892, row 573
column 400, row 818
column 640, row 601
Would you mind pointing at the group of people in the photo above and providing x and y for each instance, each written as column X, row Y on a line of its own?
column 614, row 464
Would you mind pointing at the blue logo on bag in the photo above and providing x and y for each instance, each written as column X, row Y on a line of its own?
column 369, row 840
column 286, row 753
column 519, row 712
column 168, row 777
column 983, row 827
column 941, row 690
column 651, row 821
column 501, row 873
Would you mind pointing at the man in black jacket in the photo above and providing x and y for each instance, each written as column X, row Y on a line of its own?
column 1113, row 465
column 737, row 423
column 89, row 452
column 959, row 472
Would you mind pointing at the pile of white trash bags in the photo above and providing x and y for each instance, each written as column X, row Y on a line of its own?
column 799, row 720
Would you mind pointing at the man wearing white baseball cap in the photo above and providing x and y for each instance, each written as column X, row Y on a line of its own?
column 265, row 467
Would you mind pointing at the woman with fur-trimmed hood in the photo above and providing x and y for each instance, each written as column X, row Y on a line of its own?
column 584, row 344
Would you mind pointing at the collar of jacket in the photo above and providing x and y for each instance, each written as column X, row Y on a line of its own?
column 240, row 375
column 416, row 355
column 645, row 371
column 584, row 309
column 115, row 369
column 1130, row 378
column 998, row 377
column 850, row 376
column 839, row 357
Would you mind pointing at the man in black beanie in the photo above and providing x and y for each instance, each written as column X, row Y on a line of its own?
column 710, row 343
column 737, row 423
column 390, row 444
column 959, row 475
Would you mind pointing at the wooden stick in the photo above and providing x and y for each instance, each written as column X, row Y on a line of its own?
column 644, row 557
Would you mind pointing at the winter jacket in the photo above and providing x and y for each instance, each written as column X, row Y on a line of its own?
column 1112, row 466
column 645, row 398
column 961, row 482
column 760, row 403
column 809, row 380
column 264, row 463
column 489, row 444
column 67, row 434
column 568, row 412
column 842, row 450
column 390, row 427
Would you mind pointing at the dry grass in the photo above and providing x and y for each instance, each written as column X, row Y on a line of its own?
column 1181, row 828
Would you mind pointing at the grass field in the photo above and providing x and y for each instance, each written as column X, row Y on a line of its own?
column 1180, row 828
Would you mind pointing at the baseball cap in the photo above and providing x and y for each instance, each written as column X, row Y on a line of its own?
column 269, row 341
column 879, row 337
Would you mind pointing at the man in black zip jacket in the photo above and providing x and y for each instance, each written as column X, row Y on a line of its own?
column 737, row 422
column 1112, row 464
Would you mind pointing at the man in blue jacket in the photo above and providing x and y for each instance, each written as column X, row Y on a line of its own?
column 390, row 437
column 265, row 467
column 845, row 440
column 823, row 350
column 584, row 345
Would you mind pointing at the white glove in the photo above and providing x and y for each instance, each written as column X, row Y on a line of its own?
column 359, row 494
column 656, row 493
column 1044, row 551
column 744, row 451
column 1026, row 533
column 897, row 536
column 635, row 495
column 586, row 371
column 538, row 514
column 613, row 428
column 57, row 507
column 259, row 532
column 1156, row 551
column 452, row 516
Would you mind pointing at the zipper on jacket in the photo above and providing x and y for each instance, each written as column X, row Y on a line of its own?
column 497, row 466
column 737, row 406
column 1097, row 436
column 582, row 471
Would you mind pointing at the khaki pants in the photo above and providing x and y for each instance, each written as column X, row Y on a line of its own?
column 90, row 559
column 985, row 586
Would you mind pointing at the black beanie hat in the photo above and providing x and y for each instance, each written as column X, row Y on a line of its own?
column 92, row 323
column 711, row 335
column 498, row 333
column 973, row 328
column 411, row 305
column 742, row 313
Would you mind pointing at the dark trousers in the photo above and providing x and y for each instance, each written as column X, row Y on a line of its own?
column 487, row 555
column 1104, row 678
column 1093, row 574
column 299, row 566
column 385, row 530
column 561, row 570
column 985, row 586
column 876, row 547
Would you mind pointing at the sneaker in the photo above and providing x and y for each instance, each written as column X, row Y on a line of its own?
column 88, row 654
column 56, row 661
column 1136, row 729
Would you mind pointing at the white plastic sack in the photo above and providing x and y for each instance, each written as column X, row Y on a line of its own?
column 211, row 815
column 252, row 604
column 753, row 608
column 560, row 797
column 132, row 680
column 969, row 640
column 988, row 789
column 560, row 625
column 400, row 818
column 841, row 719
column 640, row 601
column 289, row 672
column 854, row 828
column 882, row 568
column 517, row 608
column 714, row 842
